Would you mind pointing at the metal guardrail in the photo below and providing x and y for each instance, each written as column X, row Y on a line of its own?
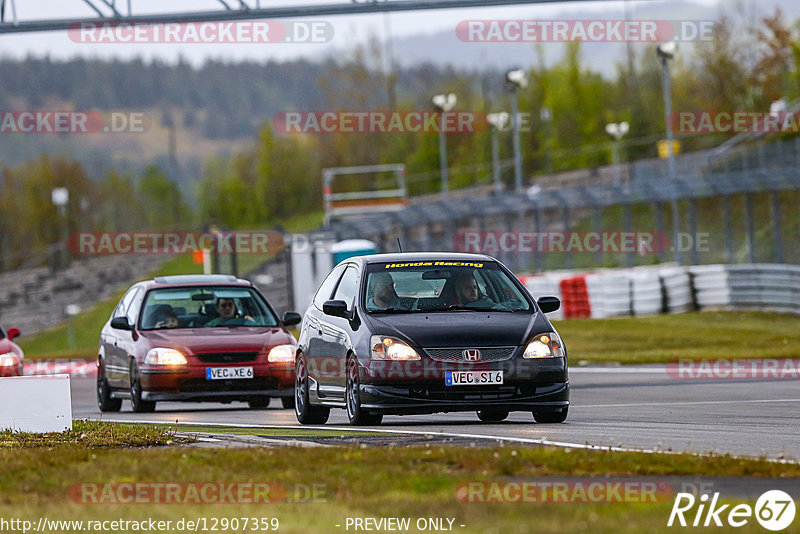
column 771, row 169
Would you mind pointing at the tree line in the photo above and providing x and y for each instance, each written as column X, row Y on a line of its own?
column 747, row 65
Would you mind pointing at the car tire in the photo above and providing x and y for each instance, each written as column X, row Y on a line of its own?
column 355, row 413
column 492, row 415
column 104, row 400
column 305, row 412
column 137, row 404
column 287, row 402
column 260, row 402
column 557, row 415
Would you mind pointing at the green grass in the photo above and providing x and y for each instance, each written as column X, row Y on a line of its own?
column 663, row 338
column 355, row 482
column 92, row 435
column 272, row 432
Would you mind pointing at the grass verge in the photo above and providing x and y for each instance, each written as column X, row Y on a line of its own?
column 92, row 435
column 664, row 338
column 270, row 432
column 351, row 482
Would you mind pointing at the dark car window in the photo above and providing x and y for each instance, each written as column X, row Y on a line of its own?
column 132, row 312
column 196, row 307
column 326, row 288
column 435, row 286
column 2, row 334
column 348, row 287
column 125, row 302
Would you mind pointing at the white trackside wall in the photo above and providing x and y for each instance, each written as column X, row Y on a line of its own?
column 35, row 403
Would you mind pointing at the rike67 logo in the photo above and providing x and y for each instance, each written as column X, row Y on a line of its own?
column 774, row 510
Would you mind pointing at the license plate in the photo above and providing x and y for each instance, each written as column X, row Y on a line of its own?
column 473, row 378
column 227, row 373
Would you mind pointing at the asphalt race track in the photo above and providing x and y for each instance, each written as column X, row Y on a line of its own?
column 638, row 407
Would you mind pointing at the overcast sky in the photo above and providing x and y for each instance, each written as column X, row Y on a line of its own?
column 348, row 30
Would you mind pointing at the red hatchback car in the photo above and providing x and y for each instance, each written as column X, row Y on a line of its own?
column 11, row 356
column 211, row 338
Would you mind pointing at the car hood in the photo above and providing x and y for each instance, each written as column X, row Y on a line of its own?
column 449, row 329
column 197, row 340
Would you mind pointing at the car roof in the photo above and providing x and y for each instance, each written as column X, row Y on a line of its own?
column 419, row 256
column 179, row 280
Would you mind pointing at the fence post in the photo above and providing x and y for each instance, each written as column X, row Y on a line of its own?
column 598, row 227
column 695, row 255
column 659, row 222
column 539, row 254
column 628, row 224
column 726, row 213
column 776, row 224
column 751, row 239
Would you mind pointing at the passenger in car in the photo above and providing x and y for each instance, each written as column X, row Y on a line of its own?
column 467, row 291
column 169, row 319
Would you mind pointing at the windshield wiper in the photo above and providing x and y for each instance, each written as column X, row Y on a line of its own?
column 392, row 310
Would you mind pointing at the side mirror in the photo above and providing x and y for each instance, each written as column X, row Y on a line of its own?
column 120, row 323
column 12, row 333
column 291, row 318
column 336, row 308
column 548, row 304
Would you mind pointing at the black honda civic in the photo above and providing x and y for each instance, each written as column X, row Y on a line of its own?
column 420, row 333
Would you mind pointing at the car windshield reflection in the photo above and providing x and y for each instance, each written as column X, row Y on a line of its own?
column 204, row 307
column 432, row 287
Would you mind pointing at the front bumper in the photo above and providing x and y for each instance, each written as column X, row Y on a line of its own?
column 527, row 385
column 189, row 383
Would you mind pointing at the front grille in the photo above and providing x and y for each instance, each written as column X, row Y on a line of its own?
column 196, row 385
column 488, row 354
column 227, row 357
column 466, row 393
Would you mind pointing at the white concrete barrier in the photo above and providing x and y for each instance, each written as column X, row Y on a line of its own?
column 35, row 403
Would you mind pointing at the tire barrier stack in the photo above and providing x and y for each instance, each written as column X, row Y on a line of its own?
column 670, row 289
column 575, row 297
column 762, row 286
column 609, row 294
column 547, row 284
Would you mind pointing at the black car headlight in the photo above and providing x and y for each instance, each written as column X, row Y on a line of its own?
column 547, row 345
column 391, row 348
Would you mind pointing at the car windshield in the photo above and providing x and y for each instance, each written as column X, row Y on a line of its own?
column 204, row 307
column 441, row 286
